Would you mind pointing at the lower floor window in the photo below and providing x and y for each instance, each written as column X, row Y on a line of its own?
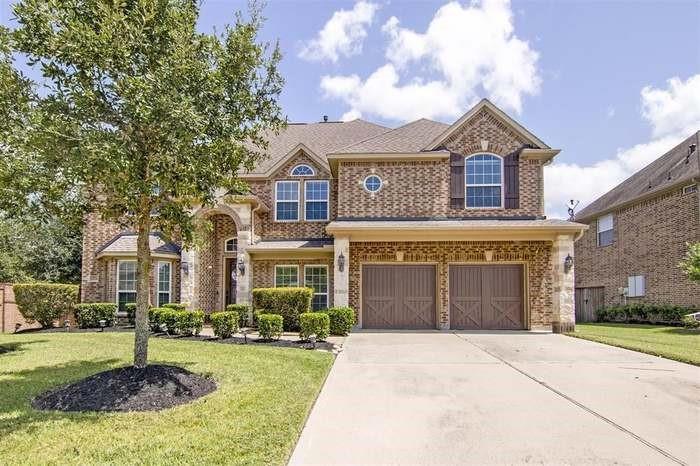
column 164, row 281
column 126, row 283
column 316, row 277
column 286, row 275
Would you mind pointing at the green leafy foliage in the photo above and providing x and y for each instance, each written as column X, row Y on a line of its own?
column 154, row 318
column 314, row 324
column 342, row 320
column 691, row 263
column 270, row 326
column 176, row 306
column 690, row 322
column 189, row 322
column 130, row 309
column 168, row 318
column 643, row 313
column 88, row 315
column 224, row 323
column 45, row 302
column 242, row 310
column 287, row 302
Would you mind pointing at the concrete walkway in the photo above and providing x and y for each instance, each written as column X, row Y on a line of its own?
column 501, row 398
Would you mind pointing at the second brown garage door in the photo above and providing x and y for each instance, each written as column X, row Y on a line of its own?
column 398, row 296
column 486, row 297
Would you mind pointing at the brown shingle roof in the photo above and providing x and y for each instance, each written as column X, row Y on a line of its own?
column 665, row 172
column 411, row 137
column 321, row 138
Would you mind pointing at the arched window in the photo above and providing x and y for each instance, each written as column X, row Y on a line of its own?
column 484, row 181
column 303, row 170
column 231, row 245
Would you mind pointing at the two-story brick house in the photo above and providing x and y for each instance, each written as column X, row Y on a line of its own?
column 427, row 225
column 638, row 234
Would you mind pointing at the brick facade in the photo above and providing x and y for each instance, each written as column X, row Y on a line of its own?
column 649, row 239
column 212, row 257
column 536, row 255
column 264, row 272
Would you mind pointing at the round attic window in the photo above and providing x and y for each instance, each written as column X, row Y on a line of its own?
column 373, row 183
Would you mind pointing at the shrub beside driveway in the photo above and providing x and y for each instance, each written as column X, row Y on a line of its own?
column 254, row 417
column 675, row 343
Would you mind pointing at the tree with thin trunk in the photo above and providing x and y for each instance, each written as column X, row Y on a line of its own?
column 691, row 263
column 140, row 117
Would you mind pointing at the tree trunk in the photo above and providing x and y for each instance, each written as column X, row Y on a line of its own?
column 143, row 291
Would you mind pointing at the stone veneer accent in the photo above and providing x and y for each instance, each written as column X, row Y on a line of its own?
column 264, row 272
column 649, row 239
column 535, row 254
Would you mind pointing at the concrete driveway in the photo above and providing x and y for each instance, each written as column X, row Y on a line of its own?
column 501, row 398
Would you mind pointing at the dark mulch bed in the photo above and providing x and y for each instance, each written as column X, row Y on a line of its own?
column 236, row 340
column 128, row 389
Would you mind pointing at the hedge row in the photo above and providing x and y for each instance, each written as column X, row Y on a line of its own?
column 176, row 322
column 45, row 302
column 644, row 314
column 89, row 315
column 286, row 302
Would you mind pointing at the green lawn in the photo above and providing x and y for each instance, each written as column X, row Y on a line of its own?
column 669, row 342
column 255, row 417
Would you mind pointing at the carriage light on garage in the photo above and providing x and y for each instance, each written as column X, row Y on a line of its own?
column 341, row 262
column 568, row 263
column 241, row 266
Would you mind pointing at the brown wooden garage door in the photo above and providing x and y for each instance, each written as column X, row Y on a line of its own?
column 486, row 297
column 398, row 296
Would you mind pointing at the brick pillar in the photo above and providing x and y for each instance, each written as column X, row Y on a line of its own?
column 189, row 271
column 563, row 316
column 341, row 279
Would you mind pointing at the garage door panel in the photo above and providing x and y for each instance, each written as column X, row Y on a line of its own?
column 398, row 296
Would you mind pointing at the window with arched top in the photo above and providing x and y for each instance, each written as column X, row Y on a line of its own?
column 483, row 181
column 231, row 245
column 303, row 170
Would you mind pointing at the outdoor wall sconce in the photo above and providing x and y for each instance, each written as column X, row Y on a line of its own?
column 568, row 263
column 185, row 266
column 241, row 266
column 341, row 262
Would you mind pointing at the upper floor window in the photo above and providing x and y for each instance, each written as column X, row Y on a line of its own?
column 303, row 170
column 316, row 200
column 484, row 181
column 605, row 230
column 287, row 200
column 373, row 183
column 231, row 245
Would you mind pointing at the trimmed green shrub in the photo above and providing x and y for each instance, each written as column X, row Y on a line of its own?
column 242, row 311
column 643, row 314
column 690, row 322
column 45, row 302
column 342, row 320
column 88, row 315
column 225, row 323
column 314, row 323
column 155, row 318
column 168, row 317
column 287, row 302
column 176, row 306
column 130, row 309
column 189, row 322
column 270, row 326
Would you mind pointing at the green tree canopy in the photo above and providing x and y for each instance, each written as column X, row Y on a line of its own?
column 691, row 263
column 141, row 116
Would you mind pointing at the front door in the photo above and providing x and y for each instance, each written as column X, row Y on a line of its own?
column 230, row 281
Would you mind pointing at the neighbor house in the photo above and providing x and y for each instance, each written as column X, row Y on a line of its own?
column 638, row 234
column 426, row 226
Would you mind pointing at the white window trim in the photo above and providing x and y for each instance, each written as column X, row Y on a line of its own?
column 313, row 172
column 501, row 184
column 298, row 201
column 236, row 243
column 381, row 183
column 690, row 189
column 634, row 291
column 328, row 201
column 119, row 290
column 170, row 282
column 327, row 279
column 295, row 266
column 599, row 231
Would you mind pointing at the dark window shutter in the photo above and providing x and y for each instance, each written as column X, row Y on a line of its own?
column 456, row 181
column 511, row 180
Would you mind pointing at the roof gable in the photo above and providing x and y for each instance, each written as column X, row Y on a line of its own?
column 498, row 113
column 408, row 138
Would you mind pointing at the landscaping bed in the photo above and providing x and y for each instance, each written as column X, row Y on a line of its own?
column 254, row 416
column 669, row 342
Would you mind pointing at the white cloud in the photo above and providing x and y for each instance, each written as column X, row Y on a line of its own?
column 466, row 52
column 343, row 34
column 673, row 113
column 610, row 112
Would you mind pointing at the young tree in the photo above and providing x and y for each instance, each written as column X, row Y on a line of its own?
column 142, row 115
column 691, row 263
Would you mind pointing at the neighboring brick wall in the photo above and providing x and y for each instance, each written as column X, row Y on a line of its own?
column 649, row 239
column 265, row 225
column 264, row 272
column 9, row 312
column 422, row 188
column 96, row 233
column 536, row 254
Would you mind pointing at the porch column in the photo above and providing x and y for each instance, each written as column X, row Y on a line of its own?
column 243, row 280
column 341, row 278
column 563, row 316
column 189, row 271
